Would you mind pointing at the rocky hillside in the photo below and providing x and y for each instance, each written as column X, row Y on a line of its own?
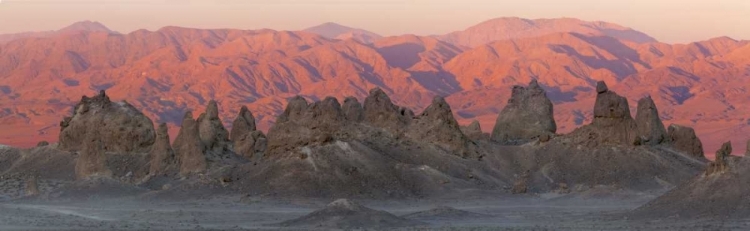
column 171, row 70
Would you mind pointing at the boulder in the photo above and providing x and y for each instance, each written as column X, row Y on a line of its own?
column 92, row 160
column 474, row 131
column 520, row 186
column 122, row 127
column 437, row 125
column 650, row 128
column 528, row 115
column 162, row 155
column 32, row 186
column 243, row 124
column 42, row 144
column 721, row 163
column 683, row 139
column 188, row 147
column 353, row 110
column 380, row 112
column 213, row 135
column 251, row 144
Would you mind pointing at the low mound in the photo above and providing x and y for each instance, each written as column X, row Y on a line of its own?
column 345, row 214
column 444, row 213
column 716, row 194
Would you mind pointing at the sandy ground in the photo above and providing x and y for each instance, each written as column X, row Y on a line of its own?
column 540, row 212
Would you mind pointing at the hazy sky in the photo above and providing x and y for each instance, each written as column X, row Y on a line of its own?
column 668, row 20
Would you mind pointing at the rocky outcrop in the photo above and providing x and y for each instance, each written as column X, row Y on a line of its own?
column 251, row 144
column 214, row 136
column 612, row 118
column 243, row 124
column 188, row 147
column 162, row 155
column 92, row 160
column 474, row 131
column 380, row 112
column 650, row 128
column 528, row 115
column 353, row 110
column 302, row 124
column 612, row 123
column 247, row 140
column 122, row 127
column 437, row 125
column 684, row 139
column 721, row 163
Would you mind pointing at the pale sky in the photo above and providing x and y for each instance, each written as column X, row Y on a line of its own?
column 672, row 21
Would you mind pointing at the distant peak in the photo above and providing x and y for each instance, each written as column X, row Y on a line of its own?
column 91, row 26
column 334, row 30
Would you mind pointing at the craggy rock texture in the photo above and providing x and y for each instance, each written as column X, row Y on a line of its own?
column 612, row 118
column 438, row 126
column 528, row 115
column 214, row 136
column 721, row 163
column 380, row 112
column 188, row 147
column 92, row 160
column 353, row 110
column 251, row 144
column 684, row 139
column 122, row 127
column 162, row 155
column 474, row 131
column 304, row 124
column 247, row 141
column 243, row 124
column 612, row 124
column 346, row 214
column 650, row 128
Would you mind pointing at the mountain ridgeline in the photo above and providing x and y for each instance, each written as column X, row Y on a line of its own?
column 173, row 69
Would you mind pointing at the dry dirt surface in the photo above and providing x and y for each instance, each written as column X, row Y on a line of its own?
column 538, row 212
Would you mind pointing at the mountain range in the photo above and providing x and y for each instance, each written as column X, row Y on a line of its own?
column 171, row 70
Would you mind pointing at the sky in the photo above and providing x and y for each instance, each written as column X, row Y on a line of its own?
column 671, row 21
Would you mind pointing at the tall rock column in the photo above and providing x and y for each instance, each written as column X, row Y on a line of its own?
column 162, row 155
column 528, row 115
column 189, row 147
column 650, row 128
